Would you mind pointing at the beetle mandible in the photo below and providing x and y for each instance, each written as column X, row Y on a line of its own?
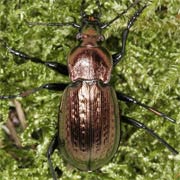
column 89, row 119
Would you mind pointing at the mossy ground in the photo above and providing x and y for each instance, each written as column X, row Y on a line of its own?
column 150, row 72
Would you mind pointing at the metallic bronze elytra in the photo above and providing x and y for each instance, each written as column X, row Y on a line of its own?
column 89, row 124
column 89, row 119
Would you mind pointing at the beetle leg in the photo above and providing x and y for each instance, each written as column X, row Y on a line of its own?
column 53, row 65
column 50, row 86
column 53, row 145
column 118, row 56
column 140, row 125
column 129, row 99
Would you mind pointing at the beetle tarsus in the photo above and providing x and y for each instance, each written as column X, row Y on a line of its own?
column 140, row 125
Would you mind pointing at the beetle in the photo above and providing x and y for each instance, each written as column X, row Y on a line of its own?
column 89, row 118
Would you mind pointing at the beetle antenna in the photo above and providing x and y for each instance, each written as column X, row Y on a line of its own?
column 54, row 24
column 73, row 24
column 82, row 9
column 99, row 8
column 83, row 13
column 119, row 15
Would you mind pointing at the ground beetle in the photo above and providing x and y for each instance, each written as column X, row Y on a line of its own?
column 89, row 119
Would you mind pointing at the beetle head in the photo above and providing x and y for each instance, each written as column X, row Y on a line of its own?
column 90, row 30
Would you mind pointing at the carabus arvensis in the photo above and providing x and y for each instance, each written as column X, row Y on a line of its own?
column 89, row 118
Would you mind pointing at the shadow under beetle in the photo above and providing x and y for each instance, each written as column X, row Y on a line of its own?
column 89, row 119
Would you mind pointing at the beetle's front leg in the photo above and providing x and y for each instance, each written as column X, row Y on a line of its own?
column 118, row 56
column 50, row 86
column 61, row 68
column 140, row 125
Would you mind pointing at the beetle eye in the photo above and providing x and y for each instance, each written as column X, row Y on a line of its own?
column 78, row 36
column 84, row 36
column 81, row 36
column 101, row 38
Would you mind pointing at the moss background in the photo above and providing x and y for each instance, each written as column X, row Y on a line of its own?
column 150, row 72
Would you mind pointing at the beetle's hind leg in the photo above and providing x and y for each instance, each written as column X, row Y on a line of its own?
column 53, row 65
column 53, row 145
column 140, row 125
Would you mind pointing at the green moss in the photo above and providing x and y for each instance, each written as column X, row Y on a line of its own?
column 150, row 71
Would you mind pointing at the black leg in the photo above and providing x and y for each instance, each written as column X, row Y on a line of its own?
column 118, row 56
column 53, row 65
column 51, row 86
column 53, row 145
column 140, row 125
column 129, row 99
